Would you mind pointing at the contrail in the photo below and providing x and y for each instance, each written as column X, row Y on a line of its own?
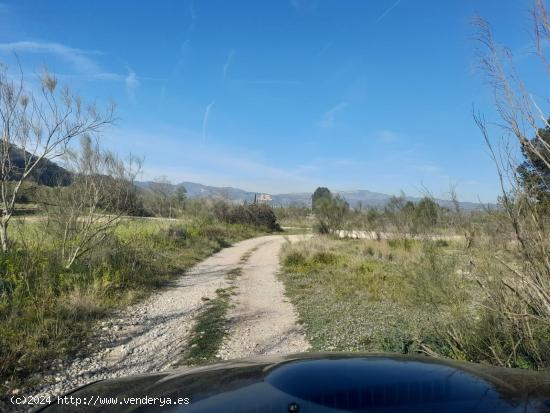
column 227, row 63
column 205, row 119
column 388, row 10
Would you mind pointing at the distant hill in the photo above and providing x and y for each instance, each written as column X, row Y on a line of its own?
column 354, row 198
column 50, row 174
column 46, row 173
column 195, row 190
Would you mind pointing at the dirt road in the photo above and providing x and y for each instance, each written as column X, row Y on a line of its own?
column 262, row 321
column 152, row 335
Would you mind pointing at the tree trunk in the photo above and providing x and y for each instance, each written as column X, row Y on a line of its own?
column 4, row 234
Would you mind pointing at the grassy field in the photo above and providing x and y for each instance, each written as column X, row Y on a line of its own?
column 46, row 311
column 366, row 295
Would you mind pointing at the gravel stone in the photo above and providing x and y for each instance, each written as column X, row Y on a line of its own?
column 152, row 335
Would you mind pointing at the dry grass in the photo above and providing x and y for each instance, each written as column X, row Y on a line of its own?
column 47, row 311
column 434, row 297
column 361, row 295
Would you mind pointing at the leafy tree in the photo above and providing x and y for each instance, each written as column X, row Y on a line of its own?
column 180, row 195
column 395, row 204
column 257, row 215
column 400, row 213
column 426, row 213
column 330, row 212
column 320, row 193
column 533, row 172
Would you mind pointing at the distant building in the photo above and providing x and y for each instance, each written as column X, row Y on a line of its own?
column 262, row 199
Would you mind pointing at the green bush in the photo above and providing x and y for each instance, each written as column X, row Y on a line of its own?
column 256, row 215
column 434, row 279
column 330, row 212
column 46, row 311
column 324, row 257
column 294, row 259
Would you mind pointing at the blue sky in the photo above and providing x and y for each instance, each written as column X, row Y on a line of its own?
column 281, row 96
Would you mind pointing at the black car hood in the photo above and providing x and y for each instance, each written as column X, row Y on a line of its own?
column 322, row 382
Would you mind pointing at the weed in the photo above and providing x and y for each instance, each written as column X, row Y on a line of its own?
column 234, row 273
column 366, row 295
column 46, row 311
column 209, row 330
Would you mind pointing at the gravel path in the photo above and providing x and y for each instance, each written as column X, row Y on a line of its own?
column 151, row 335
column 262, row 321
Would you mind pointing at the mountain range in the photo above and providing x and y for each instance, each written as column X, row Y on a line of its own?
column 51, row 174
column 355, row 198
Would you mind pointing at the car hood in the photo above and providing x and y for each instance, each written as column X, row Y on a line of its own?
column 322, row 382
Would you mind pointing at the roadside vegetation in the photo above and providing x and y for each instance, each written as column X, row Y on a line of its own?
column 209, row 330
column 80, row 239
column 360, row 295
column 469, row 285
column 48, row 309
column 435, row 297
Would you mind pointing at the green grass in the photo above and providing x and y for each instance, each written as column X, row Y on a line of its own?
column 360, row 295
column 435, row 297
column 209, row 330
column 46, row 311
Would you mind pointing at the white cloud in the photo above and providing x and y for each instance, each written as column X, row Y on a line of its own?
column 228, row 63
column 80, row 59
column 115, row 77
column 329, row 117
column 205, row 119
column 192, row 11
column 83, row 61
column 132, row 83
column 387, row 11
column 212, row 163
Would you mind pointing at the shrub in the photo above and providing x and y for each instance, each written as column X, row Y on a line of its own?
column 434, row 278
column 177, row 232
column 330, row 213
column 294, row 259
column 46, row 310
column 323, row 257
column 259, row 216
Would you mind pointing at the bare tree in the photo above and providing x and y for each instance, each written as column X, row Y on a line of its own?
column 163, row 192
column 83, row 214
column 34, row 127
column 520, row 293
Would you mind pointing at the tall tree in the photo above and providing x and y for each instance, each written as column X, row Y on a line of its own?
column 330, row 213
column 320, row 193
column 426, row 213
column 180, row 195
column 534, row 173
column 35, row 127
